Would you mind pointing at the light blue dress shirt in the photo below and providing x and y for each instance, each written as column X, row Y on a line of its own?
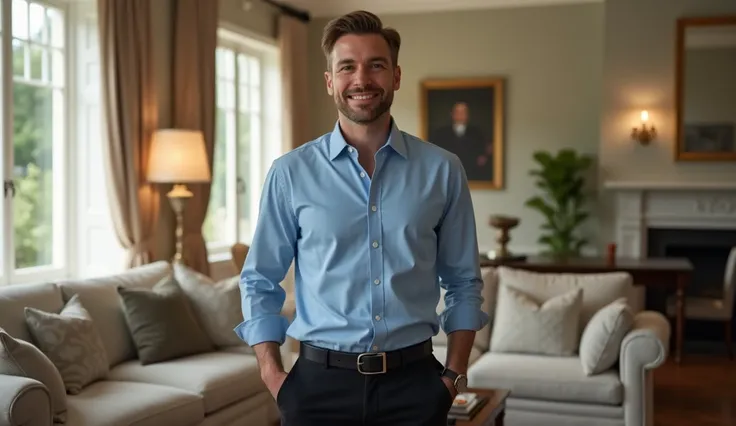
column 370, row 253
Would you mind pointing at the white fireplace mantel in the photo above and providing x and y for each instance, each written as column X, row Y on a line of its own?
column 640, row 206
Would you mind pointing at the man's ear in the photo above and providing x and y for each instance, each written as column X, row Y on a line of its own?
column 397, row 77
column 328, row 83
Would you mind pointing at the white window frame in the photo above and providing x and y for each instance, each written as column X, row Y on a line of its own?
column 63, row 224
column 270, row 145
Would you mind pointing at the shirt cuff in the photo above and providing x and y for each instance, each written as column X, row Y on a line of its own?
column 270, row 328
column 463, row 316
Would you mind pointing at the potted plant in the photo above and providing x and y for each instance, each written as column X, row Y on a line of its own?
column 561, row 177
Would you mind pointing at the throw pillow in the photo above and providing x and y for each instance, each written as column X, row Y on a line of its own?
column 20, row 358
column 524, row 325
column 216, row 304
column 602, row 337
column 162, row 323
column 71, row 341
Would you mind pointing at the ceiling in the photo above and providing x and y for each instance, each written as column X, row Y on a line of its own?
column 330, row 8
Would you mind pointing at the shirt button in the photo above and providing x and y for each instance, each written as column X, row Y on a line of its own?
column 374, row 208
column 376, row 281
column 350, row 149
column 378, row 318
column 375, row 348
column 362, row 174
column 375, row 244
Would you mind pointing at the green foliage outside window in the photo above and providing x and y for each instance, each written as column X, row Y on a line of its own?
column 33, row 202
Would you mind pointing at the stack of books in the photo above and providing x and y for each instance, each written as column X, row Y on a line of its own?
column 466, row 405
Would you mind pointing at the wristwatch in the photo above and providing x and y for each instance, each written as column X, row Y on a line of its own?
column 460, row 381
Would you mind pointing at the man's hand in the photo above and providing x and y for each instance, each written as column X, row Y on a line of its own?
column 450, row 386
column 272, row 369
column 274, row 380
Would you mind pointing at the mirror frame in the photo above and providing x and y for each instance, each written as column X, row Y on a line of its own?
column 682, row 25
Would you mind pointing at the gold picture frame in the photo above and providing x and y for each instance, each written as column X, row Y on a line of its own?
column 466, row 117
column 702, row 138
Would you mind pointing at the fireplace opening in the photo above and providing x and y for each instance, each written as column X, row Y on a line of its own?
column 707, row 250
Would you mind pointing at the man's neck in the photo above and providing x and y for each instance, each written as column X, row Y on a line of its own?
column 366, row 137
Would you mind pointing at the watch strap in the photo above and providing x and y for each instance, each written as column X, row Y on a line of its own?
column 449, row 373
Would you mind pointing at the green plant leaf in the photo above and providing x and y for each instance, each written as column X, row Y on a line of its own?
column 561, row 181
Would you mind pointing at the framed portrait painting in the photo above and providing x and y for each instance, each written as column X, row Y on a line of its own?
column 465, row 116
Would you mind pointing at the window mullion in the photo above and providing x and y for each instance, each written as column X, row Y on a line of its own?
column 7, row 251
column 236, row 149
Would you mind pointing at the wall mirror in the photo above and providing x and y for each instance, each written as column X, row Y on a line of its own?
column 706, row 89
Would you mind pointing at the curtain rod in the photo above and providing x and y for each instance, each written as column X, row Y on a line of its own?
column 290, row 10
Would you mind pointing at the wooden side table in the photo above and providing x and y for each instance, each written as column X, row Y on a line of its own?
column 493, row 413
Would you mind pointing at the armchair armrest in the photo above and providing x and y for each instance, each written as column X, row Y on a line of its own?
column 644, row 348
column 24, row 401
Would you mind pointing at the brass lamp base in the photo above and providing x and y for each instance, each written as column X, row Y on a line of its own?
column 178, row 197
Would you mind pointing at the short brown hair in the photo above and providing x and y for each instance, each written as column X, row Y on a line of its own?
column 359, row 22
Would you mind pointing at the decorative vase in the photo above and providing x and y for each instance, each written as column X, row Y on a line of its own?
column 503, row 224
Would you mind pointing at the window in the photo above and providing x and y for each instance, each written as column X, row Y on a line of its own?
column 45, row 105
column 34, row 139
column 246, row 117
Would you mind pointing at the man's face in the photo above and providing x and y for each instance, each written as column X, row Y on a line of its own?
column 362, row 79
column 460, row 113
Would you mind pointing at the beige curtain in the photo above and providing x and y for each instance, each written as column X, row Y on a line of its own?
column 131, row 116
column 193, row 72
column 293, row 49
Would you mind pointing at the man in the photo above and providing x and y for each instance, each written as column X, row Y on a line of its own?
column 468, row 142
column 373, row 217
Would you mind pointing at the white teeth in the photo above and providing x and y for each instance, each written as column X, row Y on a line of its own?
column 362, row 97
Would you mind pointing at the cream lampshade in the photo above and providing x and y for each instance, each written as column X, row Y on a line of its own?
column 178, row 156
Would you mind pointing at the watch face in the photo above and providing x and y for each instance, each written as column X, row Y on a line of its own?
column 461, row 383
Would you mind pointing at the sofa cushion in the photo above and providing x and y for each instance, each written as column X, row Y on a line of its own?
column 601, row 341
column 71, row 341
column 598, row 289
column 111, row 403
column 222, row 378
column 215, row 303
column 100, row 297
column 15, row 298
column 482, row 336
column 545, row 378
column 21, row 358
column 524, row 325
column 162, row 322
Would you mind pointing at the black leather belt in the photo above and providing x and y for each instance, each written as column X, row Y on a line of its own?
column 369, row 362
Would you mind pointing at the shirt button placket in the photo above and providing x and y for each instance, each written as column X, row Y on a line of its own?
column 376, row 268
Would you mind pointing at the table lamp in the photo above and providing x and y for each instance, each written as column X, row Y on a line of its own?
column 178, row 156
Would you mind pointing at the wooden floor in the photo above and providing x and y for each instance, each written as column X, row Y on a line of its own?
column 701, row 391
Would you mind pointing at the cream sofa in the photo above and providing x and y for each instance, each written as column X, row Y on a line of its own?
column 554, row 390
column 221, row 387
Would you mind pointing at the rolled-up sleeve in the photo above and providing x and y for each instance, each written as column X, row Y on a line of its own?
column 458, row 263
column 272, row 250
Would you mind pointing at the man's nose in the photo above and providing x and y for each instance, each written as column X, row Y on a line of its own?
column 362, row 76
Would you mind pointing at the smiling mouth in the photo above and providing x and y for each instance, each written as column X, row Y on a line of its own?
column 363, row 96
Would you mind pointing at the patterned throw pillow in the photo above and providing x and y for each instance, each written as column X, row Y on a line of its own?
column 525, row 325
column 71, row 341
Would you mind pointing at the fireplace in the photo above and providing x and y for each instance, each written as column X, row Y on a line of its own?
column 707, row 249
column 692, row 220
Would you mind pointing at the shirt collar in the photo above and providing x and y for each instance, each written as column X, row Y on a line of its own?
column 395, row 141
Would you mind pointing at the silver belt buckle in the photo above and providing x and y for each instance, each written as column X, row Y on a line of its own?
column 360, row 362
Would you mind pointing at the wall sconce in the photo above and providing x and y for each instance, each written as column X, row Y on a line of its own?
column 645, row 134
